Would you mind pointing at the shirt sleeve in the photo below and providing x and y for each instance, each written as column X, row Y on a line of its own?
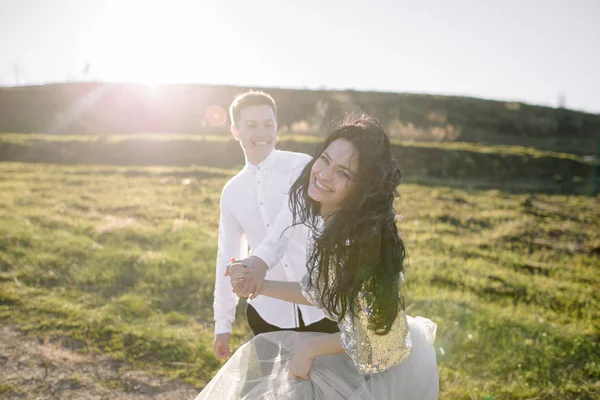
column 277, row 242
column 232, row 243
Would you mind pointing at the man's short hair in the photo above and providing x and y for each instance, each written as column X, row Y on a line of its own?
column 248, row 99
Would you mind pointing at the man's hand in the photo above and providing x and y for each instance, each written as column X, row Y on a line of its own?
column 221, row 345
column 302, row 363
column 237, row 271
column 247, row 281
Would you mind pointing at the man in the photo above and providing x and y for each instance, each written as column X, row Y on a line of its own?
column 251, row 203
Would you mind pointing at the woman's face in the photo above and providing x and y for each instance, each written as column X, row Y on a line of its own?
column 333, row 174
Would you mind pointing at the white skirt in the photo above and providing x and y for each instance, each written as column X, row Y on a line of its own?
column 260, row 370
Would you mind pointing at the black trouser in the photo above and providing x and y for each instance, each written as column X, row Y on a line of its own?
column 259, row 325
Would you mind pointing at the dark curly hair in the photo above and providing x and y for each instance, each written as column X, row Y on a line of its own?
column 359, row 243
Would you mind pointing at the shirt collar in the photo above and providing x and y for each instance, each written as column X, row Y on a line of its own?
column 264, row 165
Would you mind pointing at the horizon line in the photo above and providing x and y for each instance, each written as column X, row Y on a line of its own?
column 320, row 88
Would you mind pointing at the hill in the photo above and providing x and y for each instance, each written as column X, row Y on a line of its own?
column 501, row 167
column 114, row 108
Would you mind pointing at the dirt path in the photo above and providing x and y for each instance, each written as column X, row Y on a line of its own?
column 32, row 369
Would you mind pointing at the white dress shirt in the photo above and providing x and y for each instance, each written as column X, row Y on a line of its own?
column 255, row 212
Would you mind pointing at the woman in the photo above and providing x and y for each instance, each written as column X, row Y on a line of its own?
column 355, row 274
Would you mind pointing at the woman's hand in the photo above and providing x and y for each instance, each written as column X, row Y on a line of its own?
column 247, row 276
column 237, row 271
column 302, row 363
column 304, row 358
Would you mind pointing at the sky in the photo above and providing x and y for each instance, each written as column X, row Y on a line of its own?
column 515, row 50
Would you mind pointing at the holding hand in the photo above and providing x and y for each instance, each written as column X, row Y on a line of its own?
column 302, row 363
column 247, row 276
column 237, row 271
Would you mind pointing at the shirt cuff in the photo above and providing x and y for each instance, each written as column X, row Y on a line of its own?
column 222, row 326
column 267, row 256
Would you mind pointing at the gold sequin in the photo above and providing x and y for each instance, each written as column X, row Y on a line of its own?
column 371, row 353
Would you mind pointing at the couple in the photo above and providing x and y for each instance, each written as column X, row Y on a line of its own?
column 329, row 319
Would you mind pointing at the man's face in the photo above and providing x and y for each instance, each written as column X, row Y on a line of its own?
column 256, row 131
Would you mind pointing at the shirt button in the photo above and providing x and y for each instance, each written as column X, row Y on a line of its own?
column 286, row 265
column 268, row 225
column 261, row 203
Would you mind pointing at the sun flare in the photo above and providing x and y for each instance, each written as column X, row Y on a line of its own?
column 155, row 44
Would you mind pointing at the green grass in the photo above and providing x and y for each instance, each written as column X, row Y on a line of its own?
column 8, row 389
column 27, row 138
column 122, row 261
column 504, row 167
column 24, row 138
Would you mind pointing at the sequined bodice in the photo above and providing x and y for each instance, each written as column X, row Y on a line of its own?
column 370, row 352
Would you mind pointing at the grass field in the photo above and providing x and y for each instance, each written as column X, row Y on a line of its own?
column 120, row 260
column 458, row 164
column 28, row 138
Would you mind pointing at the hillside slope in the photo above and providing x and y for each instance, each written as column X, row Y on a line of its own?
column 128, row 108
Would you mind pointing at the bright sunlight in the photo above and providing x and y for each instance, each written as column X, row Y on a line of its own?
column 154, row 44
